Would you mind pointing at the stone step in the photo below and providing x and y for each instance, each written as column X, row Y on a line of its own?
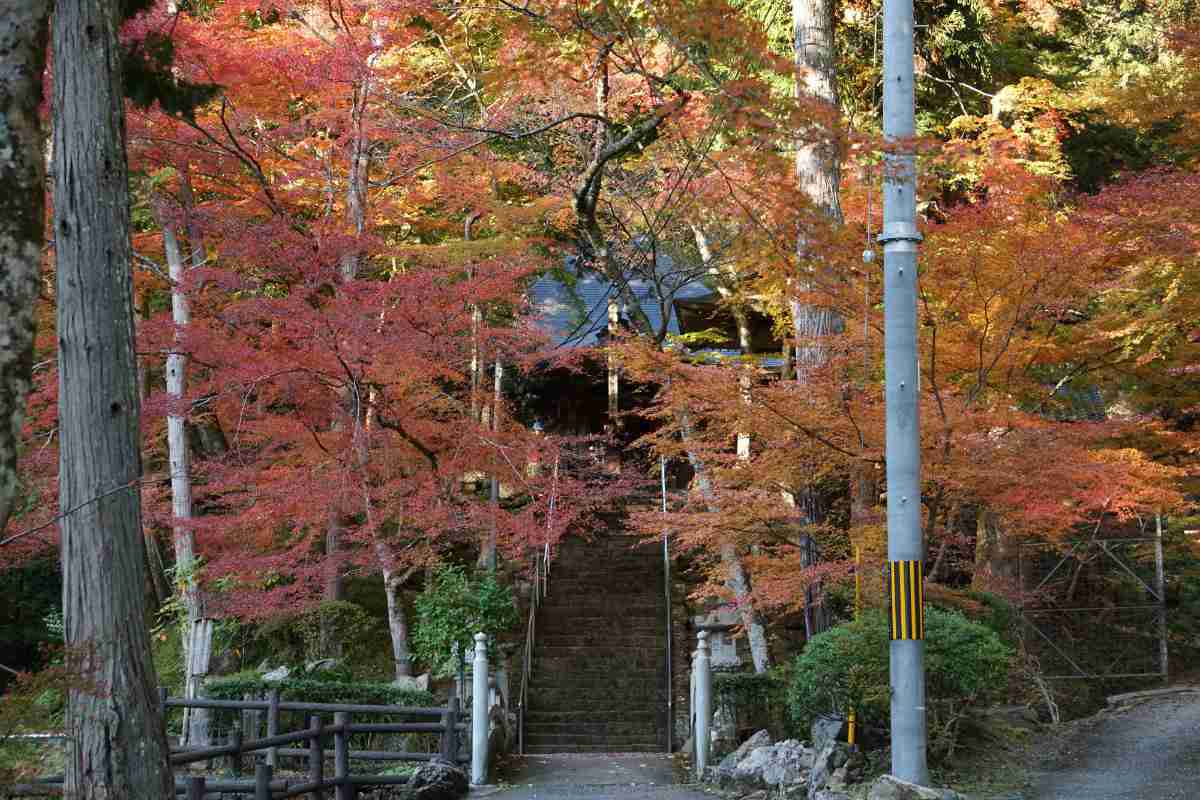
column 628, row 604
column 589, row 717
column 588, row 672
column 601, row 639
column 573, row 619
column 551, row 749
column 599, row 686
column 596, row 598
column 571, row 698
column 610, row 744
column 595, row 731
column 618, row 649
column 647, row 703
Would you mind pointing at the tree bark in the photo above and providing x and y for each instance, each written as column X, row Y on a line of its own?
column 116, row 746
column 23, row 35
column 818, row 174
column 397, row 624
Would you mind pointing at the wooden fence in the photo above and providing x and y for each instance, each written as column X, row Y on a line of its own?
column 265, row 785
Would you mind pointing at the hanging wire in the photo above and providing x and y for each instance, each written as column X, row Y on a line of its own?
column 868, row 245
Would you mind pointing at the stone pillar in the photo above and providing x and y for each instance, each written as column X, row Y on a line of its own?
column 703, row 709
column 479, row 712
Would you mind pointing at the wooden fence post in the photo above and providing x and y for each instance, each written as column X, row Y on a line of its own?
column 273, row 725
column 162, row 706
column 235, row 758
column 195, row 788
column 341, row 757
column 449, row 738
column 263, row 773
column 316, row 758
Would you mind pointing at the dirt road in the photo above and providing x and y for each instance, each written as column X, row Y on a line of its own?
column 1148, row 752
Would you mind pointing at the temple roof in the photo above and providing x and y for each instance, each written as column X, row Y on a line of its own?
column 573, row 308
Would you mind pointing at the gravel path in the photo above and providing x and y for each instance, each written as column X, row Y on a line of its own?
column 1148, row 752
column 596, row 776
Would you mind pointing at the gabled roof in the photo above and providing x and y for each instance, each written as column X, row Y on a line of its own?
column 575, row 311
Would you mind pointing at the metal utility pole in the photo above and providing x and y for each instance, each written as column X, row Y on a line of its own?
column 905, row 551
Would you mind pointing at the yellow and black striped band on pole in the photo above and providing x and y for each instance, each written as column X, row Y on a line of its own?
column 908, row 600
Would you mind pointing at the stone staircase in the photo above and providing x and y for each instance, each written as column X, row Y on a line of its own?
column 599, row 662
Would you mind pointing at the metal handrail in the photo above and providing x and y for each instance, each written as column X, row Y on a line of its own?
column 541, row 578
column 541, row 584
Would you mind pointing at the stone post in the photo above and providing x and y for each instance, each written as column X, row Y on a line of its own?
column 479, row 712
column 703, row 673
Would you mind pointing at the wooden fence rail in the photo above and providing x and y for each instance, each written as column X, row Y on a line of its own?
column 264, row 785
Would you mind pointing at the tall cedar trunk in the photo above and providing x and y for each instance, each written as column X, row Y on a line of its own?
column 197, row 628
column 818, row 174
column 117, row 746
column 23, row 36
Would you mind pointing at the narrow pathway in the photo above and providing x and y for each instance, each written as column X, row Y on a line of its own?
column 597, row 776
column 1149, row 752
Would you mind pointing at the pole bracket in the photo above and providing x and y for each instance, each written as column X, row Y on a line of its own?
column 899, row 232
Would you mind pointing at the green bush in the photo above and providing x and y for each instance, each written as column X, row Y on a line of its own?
column 453, row 608
column 966, row 663
column 316, row 690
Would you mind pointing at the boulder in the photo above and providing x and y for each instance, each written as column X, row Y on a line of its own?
column 280, row 673
column 320, row 663
column 889, row 787
column 830, row 794
column 419, row 683
column 781, row 765
column 437, row 780
column 730, row 762
column 826, row 728
column 829, row 767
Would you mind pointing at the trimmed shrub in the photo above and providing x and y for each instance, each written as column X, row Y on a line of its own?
column 310, row 690
column 313, row 690
column 966, row 664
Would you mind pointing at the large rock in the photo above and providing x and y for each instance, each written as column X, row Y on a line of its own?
column 825, row 729
column 730, row 762
column 889, row 787
column 785, row 764
column 830, row 794
column 437, row 780
column 280, row 673
column 832, row 755
column 419, row 683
